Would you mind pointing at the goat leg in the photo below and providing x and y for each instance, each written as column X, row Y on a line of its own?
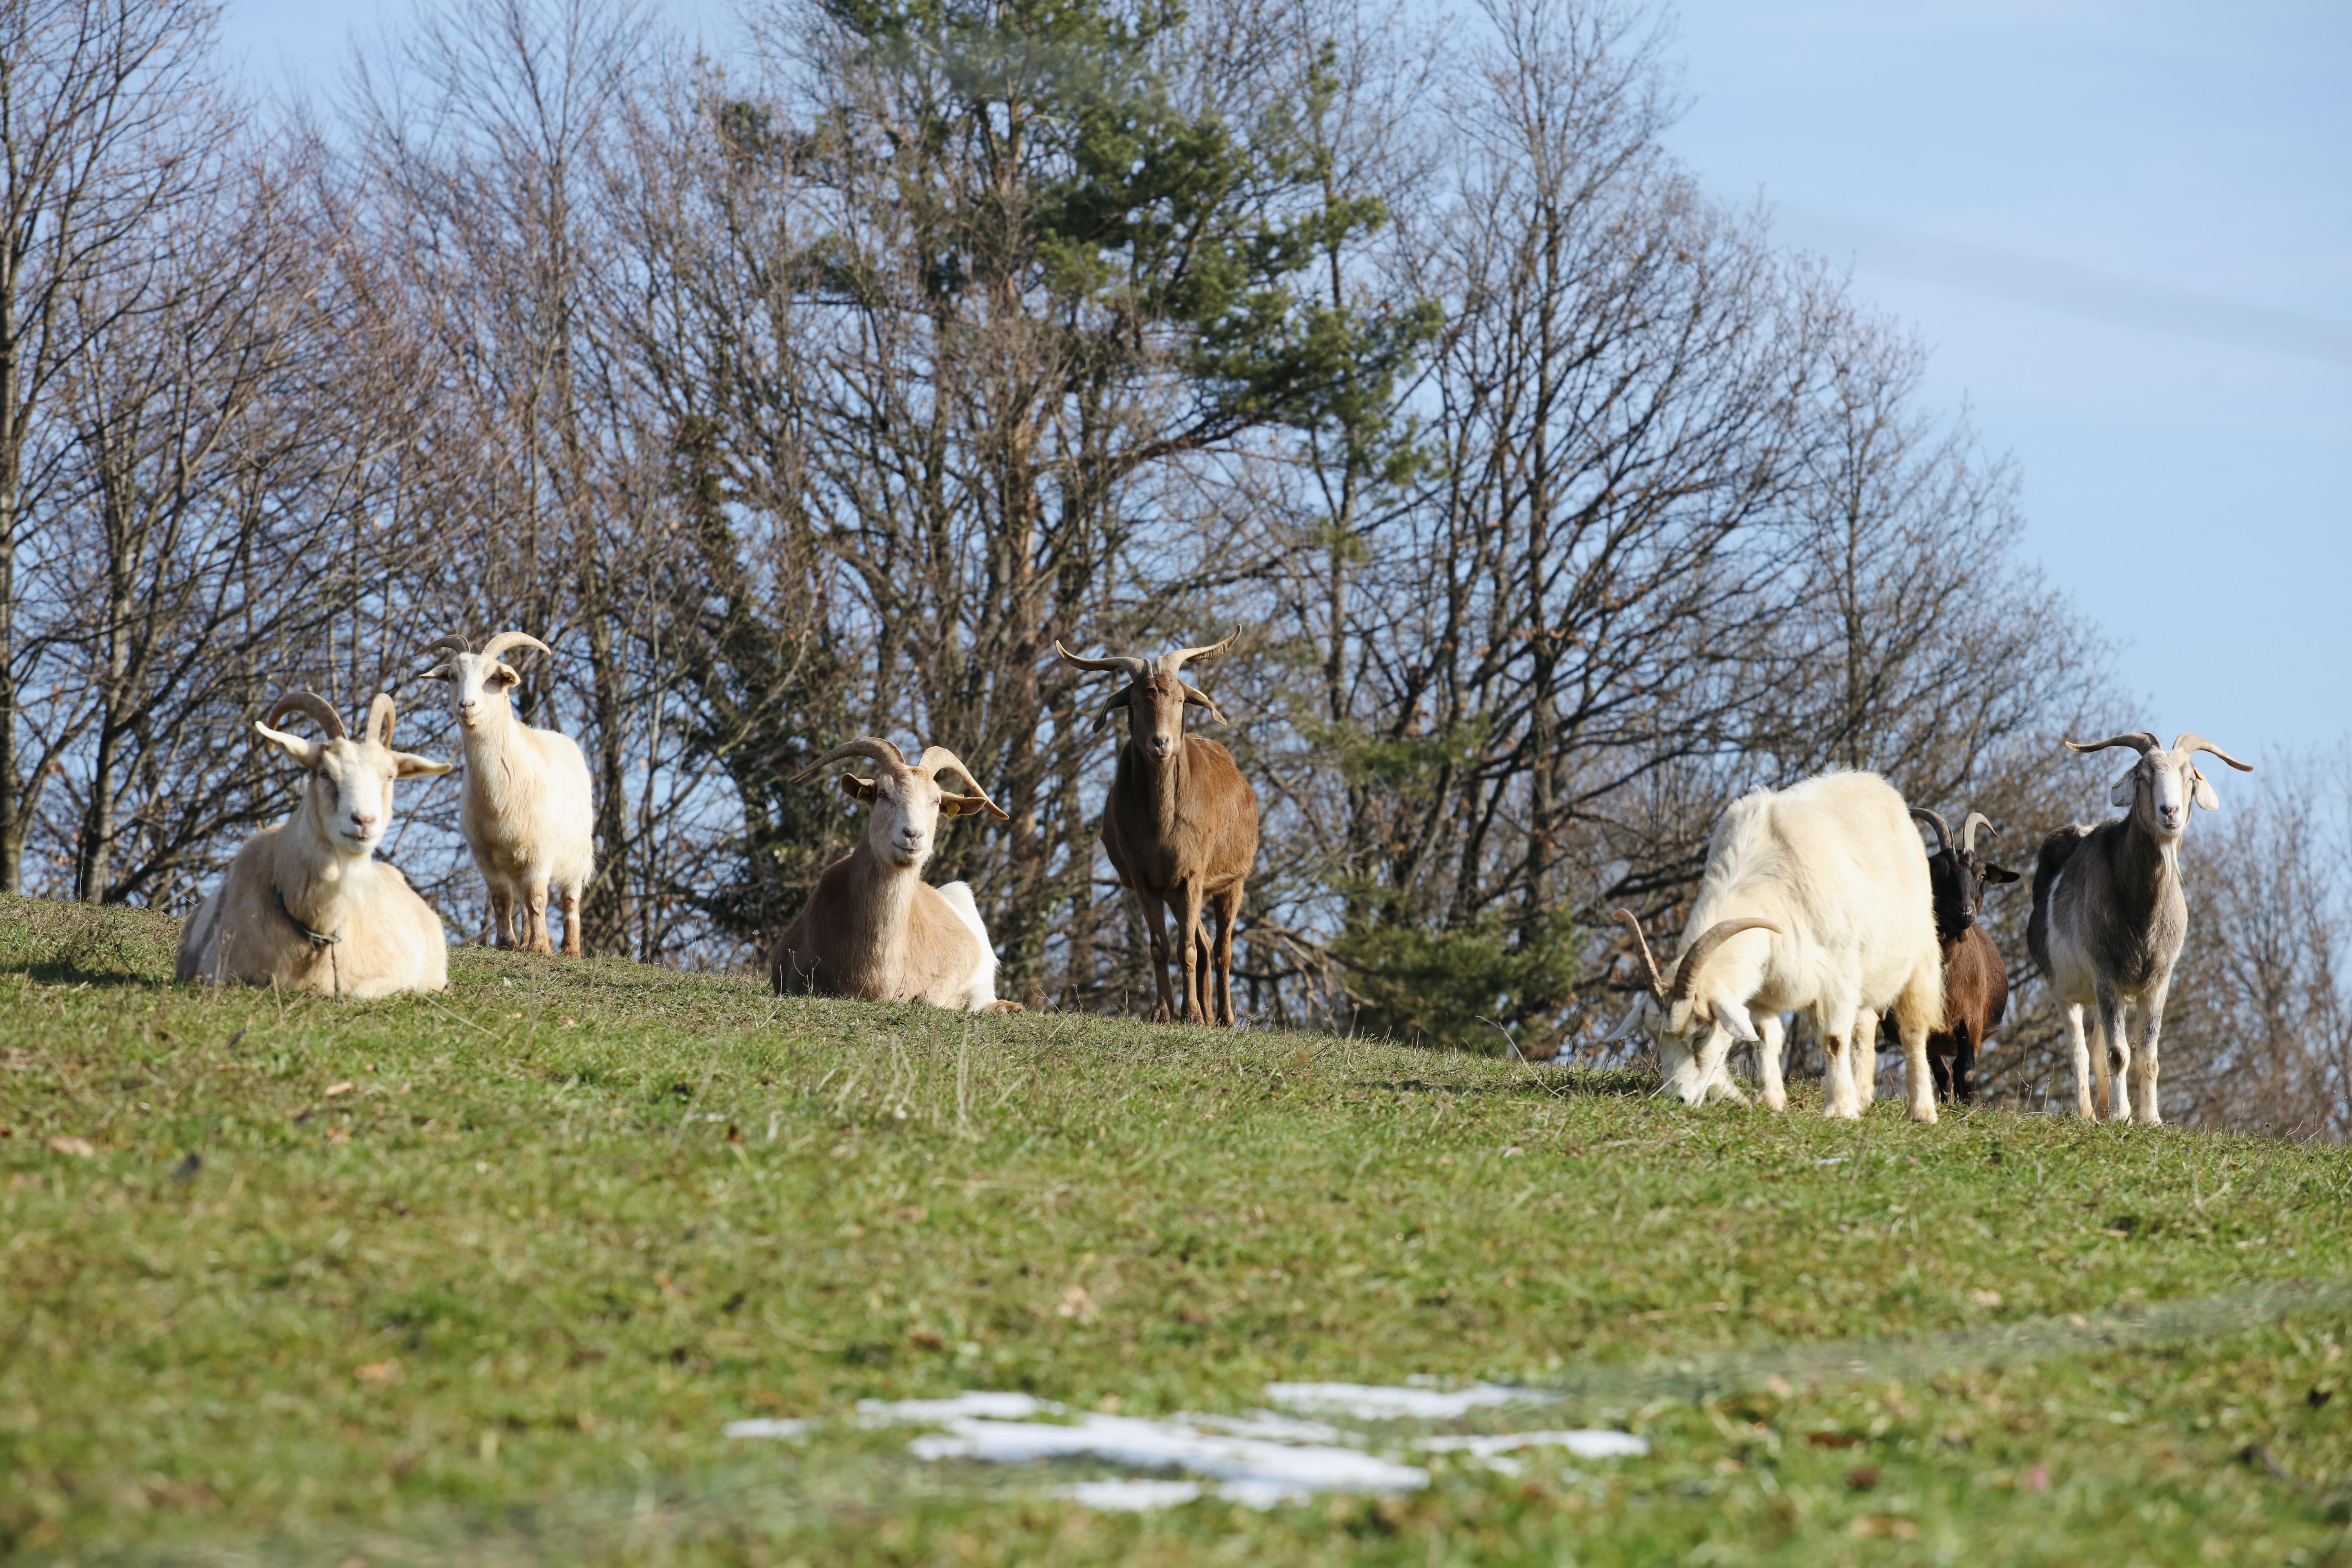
column 1229, row 912
column 572, row 936
column 2081, row 1051
column 1769, row 1038
column 2144, row 1062
column 537, row 904
column 2115, row 1059
column 1188, row 922
column 1865, row 1066
column 1154, row 915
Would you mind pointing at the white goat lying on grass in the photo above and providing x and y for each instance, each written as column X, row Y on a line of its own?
column 306, row 905
column 873, row 928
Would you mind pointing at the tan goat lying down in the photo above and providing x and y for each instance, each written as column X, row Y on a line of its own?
column 306, row 905
column 873, row 928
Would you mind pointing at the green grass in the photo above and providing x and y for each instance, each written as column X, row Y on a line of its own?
column 480, row 1277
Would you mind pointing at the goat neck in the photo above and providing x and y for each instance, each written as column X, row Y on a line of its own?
column 1156, row 747
column 870, row 937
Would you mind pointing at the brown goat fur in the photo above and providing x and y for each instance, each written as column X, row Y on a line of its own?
column 1180, row 826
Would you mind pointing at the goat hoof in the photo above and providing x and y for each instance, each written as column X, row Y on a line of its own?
column 1004, row 1007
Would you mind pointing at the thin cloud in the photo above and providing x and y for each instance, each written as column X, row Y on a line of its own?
column 2078, row 290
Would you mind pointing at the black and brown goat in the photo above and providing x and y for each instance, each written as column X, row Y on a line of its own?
column 1975, row 983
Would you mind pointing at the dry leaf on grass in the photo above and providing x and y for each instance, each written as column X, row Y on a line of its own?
column 79, row 1148
column 378, row 1371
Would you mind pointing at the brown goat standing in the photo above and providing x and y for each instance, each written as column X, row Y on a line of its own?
column 1180, row 826
column 1975, row 983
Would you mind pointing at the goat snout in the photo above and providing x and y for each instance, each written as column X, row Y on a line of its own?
column 362, row 823
column 1161, row 744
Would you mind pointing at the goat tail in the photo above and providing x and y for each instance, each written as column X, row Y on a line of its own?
column 2056, row 850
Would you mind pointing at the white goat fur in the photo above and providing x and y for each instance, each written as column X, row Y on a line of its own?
column 1833, row 865
column 320, row 862
column 528, row 811
column 872, row 928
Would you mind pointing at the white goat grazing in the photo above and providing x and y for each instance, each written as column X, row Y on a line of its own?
column 305, row 904
column 1815, row 897
column 873, row 928
column 528, row 815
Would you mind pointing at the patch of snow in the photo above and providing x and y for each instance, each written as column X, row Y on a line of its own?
column 788, row 1426
column 1252, row 1468
column 939, row 1412
column 1264, row 1424
column 1370, row 1401
column 1586, row 1443
column 1131, row 1494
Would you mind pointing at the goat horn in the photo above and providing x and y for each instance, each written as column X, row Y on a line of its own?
column 1936, row 821
column 1194, row 694
column 452, row 643
column 938, row 759
column 2190, row 742
column 1170, row 663
column 1969, row 827
column 1696, row 956
column 505, row 641
column 315, row 706
column 2140, row 741
column 1122, row 663
column 381, row 711
column 1657, row 987
column 867, row 746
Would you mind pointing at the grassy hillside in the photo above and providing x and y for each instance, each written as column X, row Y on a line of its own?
column 480, row 1278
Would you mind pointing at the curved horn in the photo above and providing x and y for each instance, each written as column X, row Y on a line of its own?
column 867, row 746
column 2191, row 741
column 938, row 759
column 1170, row 663
column 1194, row 694
column 315, row 706
column 1641, row 955
column 1123, row 663
column 1696, row 956
column 449, row 643
column 505, row 641
column 1969, row 827
column 1934, row 820
column 2140, row 741
column 381, row 711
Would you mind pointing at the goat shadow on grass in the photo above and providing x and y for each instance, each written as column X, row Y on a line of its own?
column 100, row 961
column 1560, row 1086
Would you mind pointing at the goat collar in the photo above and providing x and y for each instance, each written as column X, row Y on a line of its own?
column 317, row 939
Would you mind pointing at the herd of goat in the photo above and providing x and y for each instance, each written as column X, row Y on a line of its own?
column 1816, row 899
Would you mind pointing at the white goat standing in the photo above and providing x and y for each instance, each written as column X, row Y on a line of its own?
column 305, row 904
column 528, row 815
column 872, row 928
column 2109, row 916
column 1815, row 897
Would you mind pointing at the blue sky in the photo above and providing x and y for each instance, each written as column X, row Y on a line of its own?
column 2124, row 229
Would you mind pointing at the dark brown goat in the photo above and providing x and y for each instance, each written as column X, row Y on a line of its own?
column 1181, row 828
column 1975, row 983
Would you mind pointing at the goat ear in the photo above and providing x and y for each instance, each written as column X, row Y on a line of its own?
column 1733, row 1017
column 2204, row 794
column 2125, row 787
column 961, row 804
column 409, row 765
column 505, row 674
column 438, row 672
column 305, row 753
column 1998, row 874
column 856, row 788
column 1631, row 1022
column 1120, row 701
